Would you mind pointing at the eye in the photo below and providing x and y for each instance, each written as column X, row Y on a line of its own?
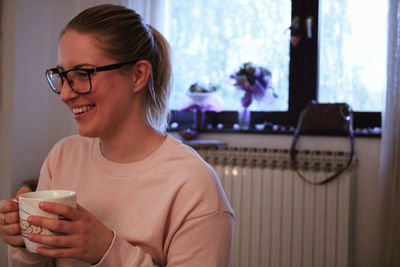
column 81, row 75
column 78, row 75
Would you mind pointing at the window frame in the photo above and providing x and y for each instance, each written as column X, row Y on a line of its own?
column 303, row 87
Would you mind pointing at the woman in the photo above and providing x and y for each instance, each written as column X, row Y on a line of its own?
column 144, row 198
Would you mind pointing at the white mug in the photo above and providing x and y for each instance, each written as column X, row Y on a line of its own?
column 29, row 205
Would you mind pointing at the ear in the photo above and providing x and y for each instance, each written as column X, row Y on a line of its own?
column 141, row 73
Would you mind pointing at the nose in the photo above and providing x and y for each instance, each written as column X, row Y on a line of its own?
column 67, row 94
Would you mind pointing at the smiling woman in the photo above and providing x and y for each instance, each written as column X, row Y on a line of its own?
column 143, row 197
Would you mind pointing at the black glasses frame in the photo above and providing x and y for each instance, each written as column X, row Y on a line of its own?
column 63, row 75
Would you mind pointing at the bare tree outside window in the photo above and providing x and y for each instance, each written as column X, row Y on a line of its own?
column 212, row 39
column 353, row 49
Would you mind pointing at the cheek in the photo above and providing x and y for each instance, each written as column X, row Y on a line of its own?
column 114, row 104
column 106, row 87
column 112, row 95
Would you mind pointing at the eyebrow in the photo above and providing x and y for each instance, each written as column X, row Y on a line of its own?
column 79, row 66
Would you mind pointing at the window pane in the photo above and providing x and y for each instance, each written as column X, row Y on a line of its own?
column 212, row 39
column 353, row 51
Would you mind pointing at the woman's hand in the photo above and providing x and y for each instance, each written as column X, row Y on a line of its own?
column 84, row 236
column 10, row 229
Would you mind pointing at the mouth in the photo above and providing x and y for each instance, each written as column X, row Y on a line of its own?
column 82, row 109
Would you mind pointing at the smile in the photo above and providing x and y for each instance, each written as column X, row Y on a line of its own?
column 82, row 109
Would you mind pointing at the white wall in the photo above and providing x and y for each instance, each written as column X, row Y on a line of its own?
column 32, row 118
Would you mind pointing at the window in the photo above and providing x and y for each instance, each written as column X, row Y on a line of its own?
column 353, row 53
column 209, row 44
column 341, row 58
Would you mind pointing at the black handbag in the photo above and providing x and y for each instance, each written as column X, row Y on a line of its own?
column 324, row 119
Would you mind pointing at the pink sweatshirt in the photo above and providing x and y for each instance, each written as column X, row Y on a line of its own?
column 166, row 210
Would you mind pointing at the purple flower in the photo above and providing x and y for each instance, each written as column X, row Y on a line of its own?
column 254, row 80
column 257, row 72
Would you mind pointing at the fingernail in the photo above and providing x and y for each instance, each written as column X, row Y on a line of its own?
column 30, row 219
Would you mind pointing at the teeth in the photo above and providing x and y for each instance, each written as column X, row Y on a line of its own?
column 81, row 109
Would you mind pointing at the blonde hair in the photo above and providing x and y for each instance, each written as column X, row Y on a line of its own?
column 128, row 38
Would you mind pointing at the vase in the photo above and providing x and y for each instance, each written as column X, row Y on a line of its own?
column 198, row 119
column 244, row 119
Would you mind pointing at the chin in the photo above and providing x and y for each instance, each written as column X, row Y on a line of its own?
column 87, row 133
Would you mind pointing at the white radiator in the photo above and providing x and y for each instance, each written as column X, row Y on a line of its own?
column 281, row 220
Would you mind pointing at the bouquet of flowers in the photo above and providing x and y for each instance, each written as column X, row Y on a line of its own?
column 254, row 80
column 202, row 97
column 201, row 88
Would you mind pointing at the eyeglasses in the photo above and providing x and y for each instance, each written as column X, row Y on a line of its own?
column 79, row 78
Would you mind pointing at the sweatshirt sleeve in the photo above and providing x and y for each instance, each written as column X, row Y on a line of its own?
column 201, row 241
column 124, row 254
column 20, row 257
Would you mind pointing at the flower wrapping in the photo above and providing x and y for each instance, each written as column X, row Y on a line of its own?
column 255, row 81
column 202, row 97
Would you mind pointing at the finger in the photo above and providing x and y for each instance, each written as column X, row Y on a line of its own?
column 53, row 224
column 14, row 240
column 22, row 190
column 8, row 205
column 65, row 211
column 11, row 217
column 57, row 241
column 12, row 229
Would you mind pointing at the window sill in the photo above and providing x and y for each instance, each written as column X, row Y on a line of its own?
column 260, row 123
column 357, row 133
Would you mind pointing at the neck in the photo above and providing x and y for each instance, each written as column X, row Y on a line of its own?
column 131, row 147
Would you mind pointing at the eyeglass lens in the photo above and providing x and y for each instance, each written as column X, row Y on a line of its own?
column 78, row 80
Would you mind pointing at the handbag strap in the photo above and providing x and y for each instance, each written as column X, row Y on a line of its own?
column 293, row 154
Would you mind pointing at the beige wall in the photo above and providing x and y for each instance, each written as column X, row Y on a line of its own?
column 6, row 95
column 39, row 118
column 32, row 118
